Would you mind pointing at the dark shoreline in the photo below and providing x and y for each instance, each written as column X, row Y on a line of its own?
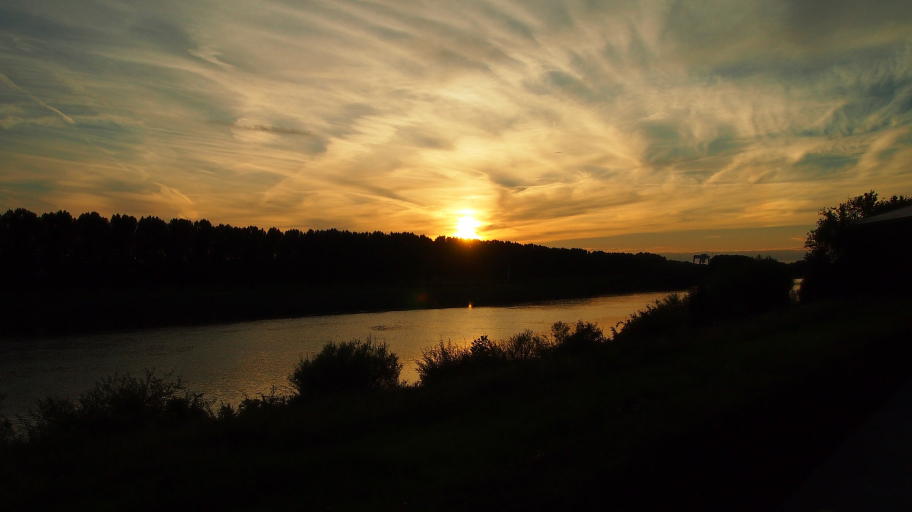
column 35, row 314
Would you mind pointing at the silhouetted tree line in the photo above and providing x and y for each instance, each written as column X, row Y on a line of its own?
column 56, row 250
column 848, row 258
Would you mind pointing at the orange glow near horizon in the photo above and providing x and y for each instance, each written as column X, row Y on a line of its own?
column 489, row 120
column 466, row 226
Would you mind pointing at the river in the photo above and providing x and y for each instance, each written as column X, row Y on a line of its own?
column 229, row 361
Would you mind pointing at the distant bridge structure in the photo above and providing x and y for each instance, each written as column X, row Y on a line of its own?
column 704, row 258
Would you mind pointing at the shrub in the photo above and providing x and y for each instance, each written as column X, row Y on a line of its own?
column 484, row 348
column 349, row 366
column 560, row 332
column 443, row 361
column 663, row 317
column 274, row 401
column 116, row 403
column 446, row 360
column 525, row 345
column 6, row 426
column 586, row 336
column 738, row 286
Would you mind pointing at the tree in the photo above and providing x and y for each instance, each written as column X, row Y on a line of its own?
column 845, row 259
column 828, row 241
column 738, row 286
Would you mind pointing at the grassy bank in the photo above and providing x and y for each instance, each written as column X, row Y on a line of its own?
column 731, row 415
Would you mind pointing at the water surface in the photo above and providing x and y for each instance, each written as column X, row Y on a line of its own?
column 230, row 361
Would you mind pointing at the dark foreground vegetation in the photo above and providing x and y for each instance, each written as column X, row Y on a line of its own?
column 724, row 399
column 60, row 274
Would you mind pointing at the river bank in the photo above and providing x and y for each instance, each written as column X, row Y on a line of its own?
column 733, row 415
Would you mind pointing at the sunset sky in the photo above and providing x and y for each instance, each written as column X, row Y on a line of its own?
column 617, row 125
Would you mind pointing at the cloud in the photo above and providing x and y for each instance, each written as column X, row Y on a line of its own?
column 549, row 118
column 698, row 241
column 246, row 125
column 9, row 83
column 823, row 163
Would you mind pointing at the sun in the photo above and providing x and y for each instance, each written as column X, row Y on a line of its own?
column 466, row 226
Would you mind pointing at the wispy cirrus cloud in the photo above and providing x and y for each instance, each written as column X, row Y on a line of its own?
column 551, row 119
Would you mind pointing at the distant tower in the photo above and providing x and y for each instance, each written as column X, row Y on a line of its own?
column 704, row 258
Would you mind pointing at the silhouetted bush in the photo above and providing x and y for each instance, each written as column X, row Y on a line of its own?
column 525, row 345
column 662, row 318
column 485, row 348
column 738, row 286
column 252, row 405
column 445, row 361
column 586, row 336
column 348, row 366
column 6, row 426
column 115, row 404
